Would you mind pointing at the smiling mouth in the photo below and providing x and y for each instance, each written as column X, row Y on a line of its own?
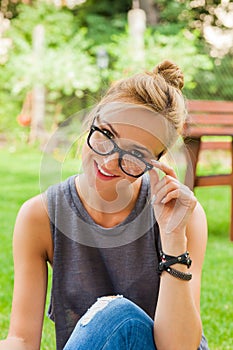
column 104, row 172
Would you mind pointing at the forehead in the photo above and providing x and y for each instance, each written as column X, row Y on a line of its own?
column 133, row 121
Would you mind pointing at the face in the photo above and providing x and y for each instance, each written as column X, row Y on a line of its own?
column 126, row 134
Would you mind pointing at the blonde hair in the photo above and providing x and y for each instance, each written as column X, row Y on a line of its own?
column 158, row 90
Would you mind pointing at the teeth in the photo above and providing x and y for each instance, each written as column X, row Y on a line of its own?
column 103, row 172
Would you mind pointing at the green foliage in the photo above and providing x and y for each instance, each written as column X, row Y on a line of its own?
column 158, row 47
column 214, row 84
column 205, row 77
column 173, row 12
column 170, row 46
column 64, row 66
column 67, row 64
column 213, row 78
column 59, row 23
column 106, row 8
column 97, row 24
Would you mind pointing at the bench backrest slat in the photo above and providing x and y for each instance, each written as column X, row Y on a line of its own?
column 209, row 131
column 209, row 118
column 210, row 106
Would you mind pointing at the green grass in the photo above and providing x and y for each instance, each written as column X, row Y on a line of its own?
column 217, row 282
column 20, row 179
column 20, row 172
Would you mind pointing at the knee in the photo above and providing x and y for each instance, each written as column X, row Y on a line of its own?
column 102, row 304
column 116, row 308
column 111, row 320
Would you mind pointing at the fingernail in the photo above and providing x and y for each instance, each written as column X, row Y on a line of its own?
column 155, row 161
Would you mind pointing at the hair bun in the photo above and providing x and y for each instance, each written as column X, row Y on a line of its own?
column 171, row 73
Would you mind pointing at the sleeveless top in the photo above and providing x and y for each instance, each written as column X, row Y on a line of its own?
column 91, row 261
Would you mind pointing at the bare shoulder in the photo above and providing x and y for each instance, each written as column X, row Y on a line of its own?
column 34, row 208
column 32, row 226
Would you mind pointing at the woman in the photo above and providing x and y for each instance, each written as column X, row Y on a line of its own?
column 120, row 234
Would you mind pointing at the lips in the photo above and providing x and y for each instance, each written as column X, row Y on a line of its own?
column 103, row 173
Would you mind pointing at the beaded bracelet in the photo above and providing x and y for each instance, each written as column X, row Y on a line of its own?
column 178, row 274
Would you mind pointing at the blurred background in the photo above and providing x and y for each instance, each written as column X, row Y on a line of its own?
column 57, row 57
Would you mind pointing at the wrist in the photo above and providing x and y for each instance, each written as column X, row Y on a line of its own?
column 170, row 263
column 173, row 243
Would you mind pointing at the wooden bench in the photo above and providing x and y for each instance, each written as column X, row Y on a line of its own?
column 208, row 118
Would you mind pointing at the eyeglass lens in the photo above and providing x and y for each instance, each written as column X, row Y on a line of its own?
column 130, row 164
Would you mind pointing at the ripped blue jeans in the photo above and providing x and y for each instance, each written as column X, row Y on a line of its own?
column 114, row 323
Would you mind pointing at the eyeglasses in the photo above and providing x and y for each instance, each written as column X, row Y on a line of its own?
column 101, row 143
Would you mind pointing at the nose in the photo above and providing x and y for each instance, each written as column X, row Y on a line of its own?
column 111, row 161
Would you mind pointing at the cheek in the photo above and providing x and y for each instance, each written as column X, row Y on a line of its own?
column 130, row 179
column 88, row 166
column 85, row 151
column 87, row 159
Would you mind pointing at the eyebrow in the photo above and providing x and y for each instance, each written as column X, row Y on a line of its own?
column 133, row 145
column 109, row 125
column 143, row 149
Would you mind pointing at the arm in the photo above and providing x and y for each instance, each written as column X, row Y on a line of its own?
column 182, row 227
column 31, row 250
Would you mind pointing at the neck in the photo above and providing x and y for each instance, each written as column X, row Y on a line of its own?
column 108, row 207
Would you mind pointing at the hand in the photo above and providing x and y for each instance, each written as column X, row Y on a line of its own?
column 174, row 202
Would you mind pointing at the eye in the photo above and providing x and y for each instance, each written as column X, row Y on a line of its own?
column 136, row 153
column 107, row 133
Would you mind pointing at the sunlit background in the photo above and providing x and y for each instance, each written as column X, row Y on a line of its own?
column 58, row 57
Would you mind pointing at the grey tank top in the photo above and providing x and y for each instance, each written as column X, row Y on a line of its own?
column 91, row 261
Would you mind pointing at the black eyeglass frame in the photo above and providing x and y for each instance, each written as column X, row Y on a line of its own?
column 116, row 149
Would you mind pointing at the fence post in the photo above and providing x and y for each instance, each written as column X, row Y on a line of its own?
column 37, row 131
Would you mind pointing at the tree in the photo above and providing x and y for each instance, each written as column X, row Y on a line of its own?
column 65, row 67
column 68, row 69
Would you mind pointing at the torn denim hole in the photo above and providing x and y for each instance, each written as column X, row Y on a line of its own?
column 99, row 305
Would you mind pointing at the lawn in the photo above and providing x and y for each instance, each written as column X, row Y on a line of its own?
column 23, row 173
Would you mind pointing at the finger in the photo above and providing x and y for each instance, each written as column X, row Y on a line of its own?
column 185, row 197
column 168, row 170
column 165, row 190
column 171, row 196
column 166, row 180
column 154, row 177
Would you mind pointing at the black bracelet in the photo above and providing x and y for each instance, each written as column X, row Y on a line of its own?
column 178, row 274
column 168, row 260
